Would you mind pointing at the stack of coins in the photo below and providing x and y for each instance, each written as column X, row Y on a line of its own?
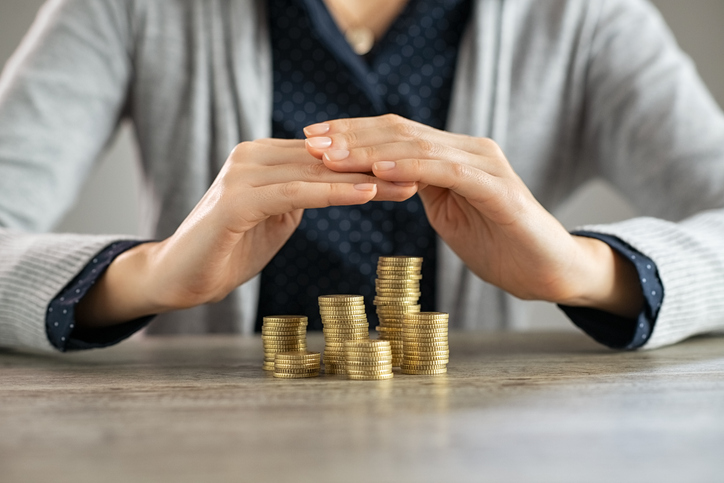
column 426, row 343
column 296, row 365
column 398, row 291
column 367, row 360
column 344, row 318
column 283, row 333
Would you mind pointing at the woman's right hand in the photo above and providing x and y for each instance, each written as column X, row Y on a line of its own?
column 245, row 217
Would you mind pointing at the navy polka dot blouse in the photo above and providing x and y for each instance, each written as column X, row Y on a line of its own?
column 317, row 77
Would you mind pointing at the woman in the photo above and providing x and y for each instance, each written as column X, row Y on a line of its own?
column 535, row 98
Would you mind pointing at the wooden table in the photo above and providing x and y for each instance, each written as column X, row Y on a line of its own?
column 513, row 407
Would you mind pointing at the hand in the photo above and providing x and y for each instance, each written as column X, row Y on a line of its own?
column 483, row 211
column 245, row 217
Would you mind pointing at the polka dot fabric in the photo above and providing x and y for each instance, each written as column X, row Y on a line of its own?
column 318, row 77
column 615, row 331
column 60, row 318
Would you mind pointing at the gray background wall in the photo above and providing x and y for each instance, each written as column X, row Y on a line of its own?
column 109, row 204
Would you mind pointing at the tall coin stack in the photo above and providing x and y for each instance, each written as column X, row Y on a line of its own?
column 282, row 333
column 368, row 360
column 398, row 291
column 296, row 365
column 343, row 318
column 425, row 336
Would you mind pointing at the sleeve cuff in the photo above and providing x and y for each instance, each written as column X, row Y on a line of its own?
column 612, row 330
column 60, row 315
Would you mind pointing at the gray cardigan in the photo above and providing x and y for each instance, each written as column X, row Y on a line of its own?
column 571, row 89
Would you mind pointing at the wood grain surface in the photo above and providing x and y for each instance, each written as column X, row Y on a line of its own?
column 513, row 407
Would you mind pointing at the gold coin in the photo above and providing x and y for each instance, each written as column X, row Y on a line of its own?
column 296, row 362
column 428, row 331
column 375, row 373
column 296, row 376
column 377, row 358
column 428, row 343
column 425, row 356
column 297, row 354
column 340, row 298
column 421, row 339
column 295, row 370
column 284, row 325
column 381, row 282
column 432, row 315
column 421, row 356
column 368, row 344
column 425, row 372
column 284, row 319
column 399, row 259
column 423, row 367
column 368, row 352
column 352, row 309
column 398, row 276
column 380, row 377
column 371, row 364
column 285, row 372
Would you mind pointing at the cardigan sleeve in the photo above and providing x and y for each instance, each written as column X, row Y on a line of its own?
column 61, row 96
column 654, row 131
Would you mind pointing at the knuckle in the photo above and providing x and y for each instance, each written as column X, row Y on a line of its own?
column 426, row 148
column 242, row 150
column 349, row 139
column 313, row 171
column 406, row 130
column 367, row 153
column 290, row 190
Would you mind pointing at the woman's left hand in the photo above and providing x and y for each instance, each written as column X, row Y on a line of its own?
column 483, row 211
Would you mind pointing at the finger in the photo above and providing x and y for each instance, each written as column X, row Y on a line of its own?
column 474, row 184
column 284, row 198
column 282, row 143
column 361, row 159
column 270, row 154
column 318, row 173
column 346, row 134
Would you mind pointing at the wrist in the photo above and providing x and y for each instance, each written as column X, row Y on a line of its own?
column 604, row 280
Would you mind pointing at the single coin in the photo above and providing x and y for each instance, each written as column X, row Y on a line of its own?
column 425, row 372
column 373, row 374
column 283, row 363
column 335, row 298
column 284, row 318
column 296, row 376
column 380, row 377
column 432, row 314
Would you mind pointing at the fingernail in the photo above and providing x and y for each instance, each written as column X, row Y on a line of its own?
column 336, row 154
column 316, row 129
column 320, row 143
column 365, row 186
column 384, row 165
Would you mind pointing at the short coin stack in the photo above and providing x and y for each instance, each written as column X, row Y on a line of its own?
column 283, row 333
column 344, row 318
column 398, row 291
column 296, row 365
column 368, row 360
column 425, row 336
